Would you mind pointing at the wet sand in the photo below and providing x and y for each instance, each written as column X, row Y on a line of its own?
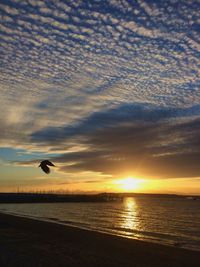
column 27, row 242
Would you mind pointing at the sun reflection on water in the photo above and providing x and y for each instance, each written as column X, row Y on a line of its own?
column 129, row 218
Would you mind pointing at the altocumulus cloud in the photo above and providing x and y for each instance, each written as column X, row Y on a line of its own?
column 118, row 78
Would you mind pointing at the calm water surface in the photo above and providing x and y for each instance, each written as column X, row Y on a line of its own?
column 172, row 221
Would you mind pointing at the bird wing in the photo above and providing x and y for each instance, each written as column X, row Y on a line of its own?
column 47, row 162
column 45, row 168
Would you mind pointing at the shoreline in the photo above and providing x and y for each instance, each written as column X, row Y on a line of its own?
column 71, row 225
column 31, row 242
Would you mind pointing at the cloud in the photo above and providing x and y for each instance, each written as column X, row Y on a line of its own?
column 76, row 72
column 126, row 113
column 141, row 139
column 151, row 151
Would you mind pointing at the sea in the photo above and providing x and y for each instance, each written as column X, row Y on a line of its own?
column 173, row 221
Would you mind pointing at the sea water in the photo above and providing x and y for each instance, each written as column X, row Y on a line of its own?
column 167, row 220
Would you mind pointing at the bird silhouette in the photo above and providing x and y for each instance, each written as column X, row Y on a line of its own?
column 44, row 167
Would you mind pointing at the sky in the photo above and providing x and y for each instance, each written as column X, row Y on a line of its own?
column 107, row 90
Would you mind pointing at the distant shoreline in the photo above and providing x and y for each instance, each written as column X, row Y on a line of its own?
column 28, row 242
column 22, row 197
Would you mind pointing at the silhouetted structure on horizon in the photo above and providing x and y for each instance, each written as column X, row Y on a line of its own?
column 21, row 197
column 49, row 198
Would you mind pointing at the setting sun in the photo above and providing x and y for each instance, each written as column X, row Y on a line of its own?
column 128, row 184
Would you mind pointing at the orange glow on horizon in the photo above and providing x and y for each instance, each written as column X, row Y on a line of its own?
column 128, row 184
column 31, row 179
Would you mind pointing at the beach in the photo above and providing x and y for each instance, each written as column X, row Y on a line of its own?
column 28, row 242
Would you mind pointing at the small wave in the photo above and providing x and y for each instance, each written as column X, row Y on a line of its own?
column 150, row 225
column 146, row 233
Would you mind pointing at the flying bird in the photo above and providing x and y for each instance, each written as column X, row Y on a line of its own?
column 44, row 165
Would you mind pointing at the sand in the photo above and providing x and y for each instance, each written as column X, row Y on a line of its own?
column 27, row 242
